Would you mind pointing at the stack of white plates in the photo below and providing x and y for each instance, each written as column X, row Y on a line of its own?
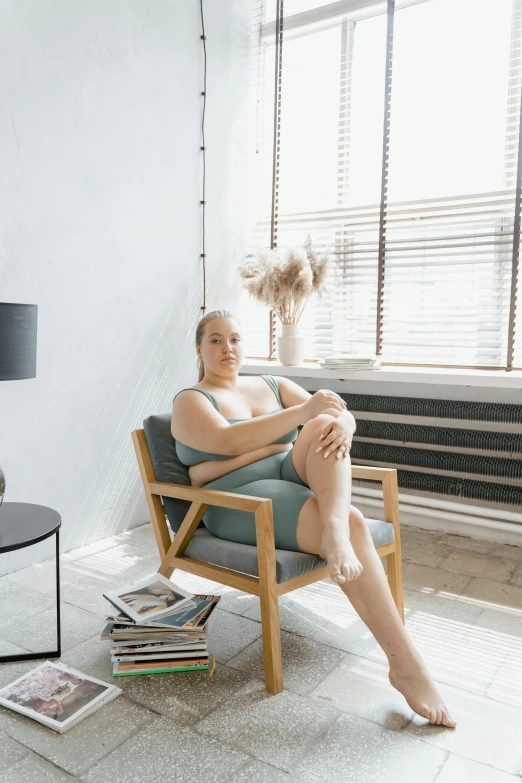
column 355, row 362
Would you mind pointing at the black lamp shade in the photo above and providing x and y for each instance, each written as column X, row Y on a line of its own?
column 17, row 341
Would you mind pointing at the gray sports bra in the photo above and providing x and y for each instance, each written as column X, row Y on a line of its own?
column 189, row 456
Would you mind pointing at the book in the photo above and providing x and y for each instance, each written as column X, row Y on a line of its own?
column 120, row 669
column 155, row 647
column 56, row 695
column 200, row 652
column 149, row 598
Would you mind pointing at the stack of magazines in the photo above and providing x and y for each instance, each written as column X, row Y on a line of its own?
column 351, row 362
column 160, row 628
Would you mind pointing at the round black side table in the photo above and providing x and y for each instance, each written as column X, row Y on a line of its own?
column 21, row 525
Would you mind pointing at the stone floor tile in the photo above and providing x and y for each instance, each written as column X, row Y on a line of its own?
column 92, row 656
column 236, row 601
column 355, row 750
column 257, row 772
column 305, row 662
column 187, row 697
column 480, row 545
column 508, row 552
column 487, row 731
column 8, row 648
column 458, row 769
column 492, row 595
column 141, row 536
column 82, row 746
column 516, row 579
column 11, row 752
column 348, row 633
column 165, row 751
column 428, row 553
column 41, row 577
column 18, row 601
column 456, row 653
column 118, row 565
column 474, row 564
column 33, row 768
column 409, row 533
column 228, row 634
column 183, row 696
column 507, row 683
column 443, row 605
column 417, row 577
column 361, row 687
column 87, row 594
column 77, row 625
column 504, row 621
column 274, row 729
column 101, row 545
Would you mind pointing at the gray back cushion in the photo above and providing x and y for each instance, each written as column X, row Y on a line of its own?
column 167, row 466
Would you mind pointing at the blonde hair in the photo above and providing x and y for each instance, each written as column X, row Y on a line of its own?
column 200, row 331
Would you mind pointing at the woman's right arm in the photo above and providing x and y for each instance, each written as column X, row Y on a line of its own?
column 196, row 423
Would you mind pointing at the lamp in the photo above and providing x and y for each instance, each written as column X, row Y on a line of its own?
column 17, row 348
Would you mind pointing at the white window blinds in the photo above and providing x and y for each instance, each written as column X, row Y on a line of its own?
column 419, row 211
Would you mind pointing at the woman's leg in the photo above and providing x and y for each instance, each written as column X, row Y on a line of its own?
column 330, row 480
column 371, row 597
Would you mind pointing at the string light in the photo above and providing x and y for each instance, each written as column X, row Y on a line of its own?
column 203, row 148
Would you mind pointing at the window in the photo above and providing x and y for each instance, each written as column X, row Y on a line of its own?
column 446, row 225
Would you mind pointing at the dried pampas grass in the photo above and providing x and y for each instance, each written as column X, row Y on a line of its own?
column 284, row 281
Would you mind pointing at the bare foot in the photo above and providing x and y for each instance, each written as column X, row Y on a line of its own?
column 342, row 561
column 419, row 690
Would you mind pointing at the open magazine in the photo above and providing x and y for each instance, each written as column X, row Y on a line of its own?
column 56, row 695
column 150, row 598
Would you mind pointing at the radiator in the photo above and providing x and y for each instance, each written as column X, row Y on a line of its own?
column 455, row 450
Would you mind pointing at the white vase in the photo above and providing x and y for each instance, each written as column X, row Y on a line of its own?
column 291, row 345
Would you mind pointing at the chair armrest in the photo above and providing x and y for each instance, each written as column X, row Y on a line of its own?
column 369, row 472
column 200, row 500
column 211, row 497
column 390, row 492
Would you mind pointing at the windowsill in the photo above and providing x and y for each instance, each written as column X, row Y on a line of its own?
column 427, row 375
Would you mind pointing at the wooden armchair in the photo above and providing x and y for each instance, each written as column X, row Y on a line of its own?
column 261, row 570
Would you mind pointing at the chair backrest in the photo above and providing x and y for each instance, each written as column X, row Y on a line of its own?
column 166, row 464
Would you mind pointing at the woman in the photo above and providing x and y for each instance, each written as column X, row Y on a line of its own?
column 232, row 436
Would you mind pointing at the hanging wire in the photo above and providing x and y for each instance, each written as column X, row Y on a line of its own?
column 203, row 150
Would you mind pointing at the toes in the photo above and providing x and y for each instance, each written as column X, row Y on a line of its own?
column 449, row 721
column 439, row 717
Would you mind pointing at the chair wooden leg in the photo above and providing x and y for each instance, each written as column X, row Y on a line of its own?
column 269, row 598
column 271, row 640
column 394, row 568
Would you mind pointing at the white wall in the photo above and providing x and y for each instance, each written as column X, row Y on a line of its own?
column 100, row 226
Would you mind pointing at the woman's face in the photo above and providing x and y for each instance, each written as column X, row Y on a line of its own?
column 222, row 347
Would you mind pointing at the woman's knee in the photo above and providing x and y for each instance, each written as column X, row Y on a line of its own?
column 317, row 423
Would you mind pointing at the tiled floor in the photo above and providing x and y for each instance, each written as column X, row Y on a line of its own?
column 338, row 718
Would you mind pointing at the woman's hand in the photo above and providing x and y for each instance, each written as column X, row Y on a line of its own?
column 337, row 436
column 320, row 402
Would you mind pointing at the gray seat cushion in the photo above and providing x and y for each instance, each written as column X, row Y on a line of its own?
column 204, row 546
column 243, row 558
